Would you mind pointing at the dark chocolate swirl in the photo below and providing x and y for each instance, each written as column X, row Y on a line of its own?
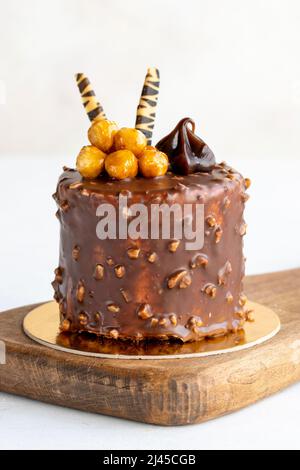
column 186, row 151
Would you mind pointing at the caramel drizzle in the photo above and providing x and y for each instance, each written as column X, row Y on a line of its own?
column 145, row 116
column 91, row 104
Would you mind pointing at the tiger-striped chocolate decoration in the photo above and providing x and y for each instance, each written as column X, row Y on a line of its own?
column 145, row 116
column 89, row 100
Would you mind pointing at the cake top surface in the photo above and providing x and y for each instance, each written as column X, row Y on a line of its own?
column 220, row 176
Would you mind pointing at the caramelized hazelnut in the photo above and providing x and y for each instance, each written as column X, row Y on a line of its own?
column 130, row 139
column 101, row 134
column 150, row 147
column 121, row 164
column 153, row 163
column 247, row 183
column 65, row 325
column 90, row 161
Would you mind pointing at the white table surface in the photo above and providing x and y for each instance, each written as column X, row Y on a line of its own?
column 29, row 253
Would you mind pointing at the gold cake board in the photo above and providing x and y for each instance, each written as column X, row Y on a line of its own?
column 42, row 325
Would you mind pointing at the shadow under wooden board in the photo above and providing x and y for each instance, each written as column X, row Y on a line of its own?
column 166, row 392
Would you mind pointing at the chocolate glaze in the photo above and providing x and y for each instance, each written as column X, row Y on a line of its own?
column 97, row 296
column 186, row 151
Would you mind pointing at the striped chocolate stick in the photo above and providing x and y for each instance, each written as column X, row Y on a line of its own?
column 91, row 104
column 145, row 115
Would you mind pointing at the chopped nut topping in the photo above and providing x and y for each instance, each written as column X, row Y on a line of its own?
column 224, row 273
column 144, row 311
column 85, row 192
column 173, row 319
column 218, row 234
column 98, row 316
column 152, row 257
column 242, row 314
column 99, row 272
column 194, row 322
column 191, row 321
column 114, row 308
column 211, row 290
column 242, row 300
column 114, row 334
column 76, row 185
column 80, row 292
column 163, row 322
column 243, row 229
column 229, row 297
column 245, row 197
column 173, row 246
column 200, row 260
column 211, row 221
column 247, row 183
column 127, row 297
column 83, row 318
column 133, row 253
column 58, row 275
column 110, row 261
column 250, row 315
column 175, row 278
column 139, row 336
column 154, row 322
column 64, row 205
column 57, row 296
column 76, row 252
column 119, row 271
column 65, row 326
column 185, row 282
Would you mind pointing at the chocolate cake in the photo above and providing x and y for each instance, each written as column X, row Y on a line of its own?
column 143, row 287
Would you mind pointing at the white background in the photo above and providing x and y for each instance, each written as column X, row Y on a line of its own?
column 231, row 65
column 234, row 67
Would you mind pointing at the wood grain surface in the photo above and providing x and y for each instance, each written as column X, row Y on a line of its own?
column 166, row 392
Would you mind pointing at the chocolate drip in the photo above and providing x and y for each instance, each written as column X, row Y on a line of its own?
column 186, row 151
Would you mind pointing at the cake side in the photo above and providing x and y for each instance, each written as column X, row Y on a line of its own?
column 152, row 288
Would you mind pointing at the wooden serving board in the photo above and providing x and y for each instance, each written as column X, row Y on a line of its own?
column 167, row 392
